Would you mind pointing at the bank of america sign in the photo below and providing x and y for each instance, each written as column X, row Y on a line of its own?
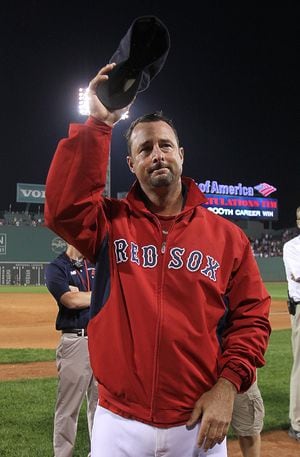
column 30, row 193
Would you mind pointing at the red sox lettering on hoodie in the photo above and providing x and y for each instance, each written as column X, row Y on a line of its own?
column 147, row 257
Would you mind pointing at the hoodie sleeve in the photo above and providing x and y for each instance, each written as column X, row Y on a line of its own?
column 75, row 208
column 246, row 334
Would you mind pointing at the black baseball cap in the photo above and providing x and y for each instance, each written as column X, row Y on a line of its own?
column 140, row 56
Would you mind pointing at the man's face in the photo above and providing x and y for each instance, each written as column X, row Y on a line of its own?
column 156, row 159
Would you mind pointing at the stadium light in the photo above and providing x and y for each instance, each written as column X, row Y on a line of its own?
column 125, row 115
column 83, row 105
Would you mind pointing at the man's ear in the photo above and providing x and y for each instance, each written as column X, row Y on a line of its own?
column 130, row 163
column 181, row 153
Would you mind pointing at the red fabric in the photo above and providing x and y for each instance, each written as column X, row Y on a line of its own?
column 154, row 345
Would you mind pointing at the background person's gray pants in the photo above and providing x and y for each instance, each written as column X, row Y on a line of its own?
column 294, row 412
column 75, row 382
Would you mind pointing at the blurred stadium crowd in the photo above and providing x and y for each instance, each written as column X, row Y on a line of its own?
column 21, row 218
column 269, row 245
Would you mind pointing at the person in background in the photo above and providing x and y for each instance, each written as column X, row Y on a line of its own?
column 248, row 420
column 69, row 279
column 291, row 259
column 179, row 313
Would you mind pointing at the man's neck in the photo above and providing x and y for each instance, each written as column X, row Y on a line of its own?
column 165, row 203
column 73, row 254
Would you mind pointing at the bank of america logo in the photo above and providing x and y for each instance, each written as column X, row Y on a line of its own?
column 265, row 189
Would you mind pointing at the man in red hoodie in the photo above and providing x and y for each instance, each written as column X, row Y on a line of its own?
column 179, row 314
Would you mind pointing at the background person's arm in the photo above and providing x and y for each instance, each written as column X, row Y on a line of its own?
column 76, row 299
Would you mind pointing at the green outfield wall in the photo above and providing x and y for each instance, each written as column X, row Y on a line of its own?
column 24, row 252
column 271, row 268
column 29, row 244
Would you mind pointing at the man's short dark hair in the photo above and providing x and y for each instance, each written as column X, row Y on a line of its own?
column 152, row 117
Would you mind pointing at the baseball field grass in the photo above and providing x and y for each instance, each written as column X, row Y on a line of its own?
column 277, row 290
column 26, row 416
column 24, row 289
column 26, row 355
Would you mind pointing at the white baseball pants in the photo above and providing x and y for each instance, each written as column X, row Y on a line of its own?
column 116, row 436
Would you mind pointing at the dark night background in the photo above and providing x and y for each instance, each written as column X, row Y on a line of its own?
column 229, row 84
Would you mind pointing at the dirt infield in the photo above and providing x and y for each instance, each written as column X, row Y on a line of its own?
column 28, row 321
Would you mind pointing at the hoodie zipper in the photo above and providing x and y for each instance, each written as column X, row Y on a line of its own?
column 160, row 314
column 164, row 242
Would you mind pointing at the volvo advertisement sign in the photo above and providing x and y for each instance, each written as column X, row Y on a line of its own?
column 30, row 193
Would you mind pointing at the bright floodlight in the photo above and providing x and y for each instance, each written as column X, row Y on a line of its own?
column 125, row 115
column 83, row 105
